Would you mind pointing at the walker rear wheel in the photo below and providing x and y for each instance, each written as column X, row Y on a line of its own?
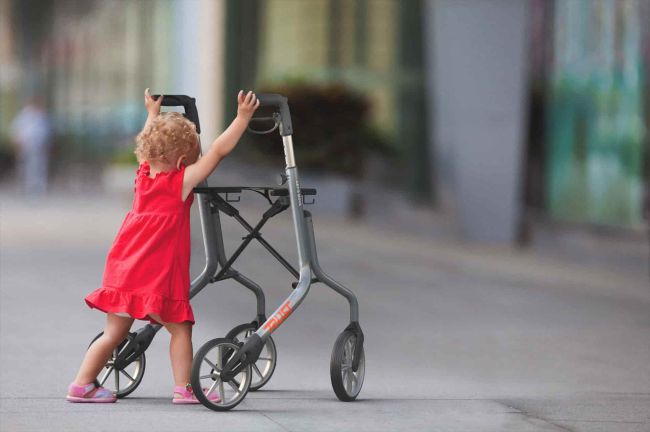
column 346, row 382
column 124, row 381
column 206, row 376
column 264, row 367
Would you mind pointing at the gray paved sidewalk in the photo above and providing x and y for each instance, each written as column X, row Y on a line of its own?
column 458, row 338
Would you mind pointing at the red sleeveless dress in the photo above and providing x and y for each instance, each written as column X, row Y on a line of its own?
column 148, row 266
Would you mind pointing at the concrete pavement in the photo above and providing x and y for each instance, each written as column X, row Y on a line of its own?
column 458, row 338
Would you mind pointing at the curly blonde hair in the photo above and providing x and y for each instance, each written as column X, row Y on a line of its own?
column 166, row 138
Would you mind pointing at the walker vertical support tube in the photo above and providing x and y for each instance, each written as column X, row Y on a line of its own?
column 304, row 281
column 208, row 231
column 250, row 351
column 296, row 202
column 212, row 242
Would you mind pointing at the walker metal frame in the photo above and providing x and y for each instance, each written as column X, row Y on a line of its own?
column 232, row 365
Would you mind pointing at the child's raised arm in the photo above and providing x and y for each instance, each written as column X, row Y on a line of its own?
column 152, row 106
column 201, row 169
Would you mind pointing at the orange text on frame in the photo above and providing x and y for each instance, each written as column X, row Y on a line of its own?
column 281, row 315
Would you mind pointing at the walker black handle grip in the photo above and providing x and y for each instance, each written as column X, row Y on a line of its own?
column 281, row 104
column 188, row 104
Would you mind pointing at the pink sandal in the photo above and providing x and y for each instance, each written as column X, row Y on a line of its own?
column 185, row 395
column 89, row 393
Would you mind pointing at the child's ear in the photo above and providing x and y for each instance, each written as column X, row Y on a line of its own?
column 180, row 161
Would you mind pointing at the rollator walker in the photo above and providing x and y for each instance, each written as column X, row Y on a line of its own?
column 245, row 358
column 225, row 365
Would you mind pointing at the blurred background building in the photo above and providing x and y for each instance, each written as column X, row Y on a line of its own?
column 500, row 114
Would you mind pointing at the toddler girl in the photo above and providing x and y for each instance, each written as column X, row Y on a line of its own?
column 147, row 268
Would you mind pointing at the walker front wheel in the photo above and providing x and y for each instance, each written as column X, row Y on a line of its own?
column 206, row 376
column 264, row 367
column 122, row 381
column 346, row 382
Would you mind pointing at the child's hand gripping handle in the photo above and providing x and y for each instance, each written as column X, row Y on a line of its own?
column 188, row 104
column 279, row 104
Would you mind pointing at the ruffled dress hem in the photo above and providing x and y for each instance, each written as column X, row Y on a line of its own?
column 110, row 300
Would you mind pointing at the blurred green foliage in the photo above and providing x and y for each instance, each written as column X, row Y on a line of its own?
column 332, row 129
column 124, row 156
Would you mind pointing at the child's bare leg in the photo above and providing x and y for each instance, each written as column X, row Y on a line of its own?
column 180, row 351
column 97, row 355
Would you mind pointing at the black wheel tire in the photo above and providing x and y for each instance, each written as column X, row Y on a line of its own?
column 336, row 367
column 138, row 379
column 251, row 326
column 196, row 373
